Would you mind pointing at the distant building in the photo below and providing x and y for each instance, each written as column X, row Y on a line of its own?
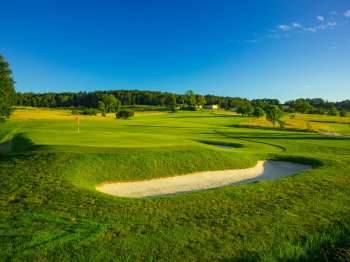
column 212, row 107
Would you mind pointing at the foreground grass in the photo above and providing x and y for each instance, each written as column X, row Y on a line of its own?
column 49, row 209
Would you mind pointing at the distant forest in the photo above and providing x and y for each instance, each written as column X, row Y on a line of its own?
column 164, row 99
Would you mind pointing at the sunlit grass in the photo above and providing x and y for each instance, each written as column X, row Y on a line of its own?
column 315, row 123
column 50, row 210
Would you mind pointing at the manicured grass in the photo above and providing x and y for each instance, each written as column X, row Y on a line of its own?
column 50, row 210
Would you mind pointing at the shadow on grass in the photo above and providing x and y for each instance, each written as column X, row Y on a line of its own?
column 281, row 136
column 298, row 159
column 211, row 116
column 159, row 126
column 222, row 144
column 22, row 143
column 290, row 129
column 250, row 139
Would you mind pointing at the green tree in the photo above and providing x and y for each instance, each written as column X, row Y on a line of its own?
column 112, row 104
column 171, row 102
column 101, row 106
column 273, row 114
column 7, row 89
column 303, row 106
column 190, row 98
column 258, row 112
column 245, row 110
column 200, row 100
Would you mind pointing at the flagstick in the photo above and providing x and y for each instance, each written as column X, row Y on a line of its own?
column 78, row 123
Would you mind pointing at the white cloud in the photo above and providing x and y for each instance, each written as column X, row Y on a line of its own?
column 311, row 29
column 296, row 25
column 284, row 27
column 329, row 22
column 320, row 18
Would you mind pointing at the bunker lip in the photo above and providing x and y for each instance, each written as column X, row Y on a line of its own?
column 264, row 170
column 220, row 145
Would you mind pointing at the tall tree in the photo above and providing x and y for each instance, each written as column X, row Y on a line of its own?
column 273, row 114
column 200, row 100
column 7, row 89
column 190, row 98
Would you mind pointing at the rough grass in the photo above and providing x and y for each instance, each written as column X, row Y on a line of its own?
column 303, row 122
column 50, row 211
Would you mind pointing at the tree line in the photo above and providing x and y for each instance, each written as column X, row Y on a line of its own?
column 126, row 98
column 112, row 101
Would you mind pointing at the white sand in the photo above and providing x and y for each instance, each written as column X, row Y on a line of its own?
column 203, row 180
column 330, row 134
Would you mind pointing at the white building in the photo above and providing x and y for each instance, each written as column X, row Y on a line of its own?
column 212, row 107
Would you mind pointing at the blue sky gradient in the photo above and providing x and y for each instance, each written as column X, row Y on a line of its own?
column 252, row 48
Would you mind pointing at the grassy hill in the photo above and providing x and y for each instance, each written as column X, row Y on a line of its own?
column 50, row 210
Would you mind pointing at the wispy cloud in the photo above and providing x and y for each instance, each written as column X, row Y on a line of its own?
column 296, row 25
column 333, row 20
column 320, row 18
column 284, row 27
column 310, row 29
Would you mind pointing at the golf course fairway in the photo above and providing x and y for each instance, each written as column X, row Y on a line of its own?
column 50, row 209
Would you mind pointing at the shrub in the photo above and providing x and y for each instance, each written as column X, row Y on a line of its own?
column 86, row 111
column 342, row 113
column 126, row 114
column 173, row 109
column 190, row 108
column 75, row 112
column 319, row 111
column 282, row 124
column 333, row 112
column 89, row 111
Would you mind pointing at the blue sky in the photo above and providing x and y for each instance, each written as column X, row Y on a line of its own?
column 251, row 48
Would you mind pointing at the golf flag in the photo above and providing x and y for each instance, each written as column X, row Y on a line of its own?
column 77, row 119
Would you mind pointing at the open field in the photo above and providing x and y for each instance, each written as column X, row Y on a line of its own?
column 50, row 209
column 307, row 122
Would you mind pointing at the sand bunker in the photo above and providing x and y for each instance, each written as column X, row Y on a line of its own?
column 264, row 170
column 5, row 147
